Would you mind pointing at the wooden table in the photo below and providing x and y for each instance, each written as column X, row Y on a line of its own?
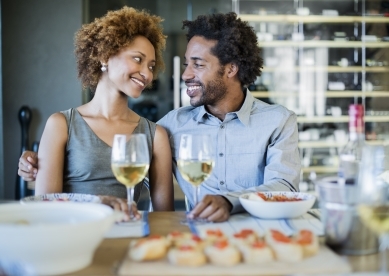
column 112, row 251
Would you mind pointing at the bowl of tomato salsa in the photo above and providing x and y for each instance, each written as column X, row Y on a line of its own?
column 277, row 205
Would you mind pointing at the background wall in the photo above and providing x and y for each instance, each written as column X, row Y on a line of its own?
column 39, row 70
column 1, row 121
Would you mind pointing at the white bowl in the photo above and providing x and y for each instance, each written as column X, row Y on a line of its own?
column 12, row 267
column 54, row 237
column 278, row 210
column 62, row 197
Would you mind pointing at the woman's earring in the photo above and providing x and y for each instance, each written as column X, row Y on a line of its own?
column 104, row 67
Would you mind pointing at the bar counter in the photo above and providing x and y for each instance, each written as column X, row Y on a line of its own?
column 111, row 251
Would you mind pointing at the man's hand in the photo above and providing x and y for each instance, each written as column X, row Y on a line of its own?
column 214, row 208
column 28, row 165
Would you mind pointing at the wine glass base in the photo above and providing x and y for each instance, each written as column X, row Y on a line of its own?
column 130, row 223
column 194, row 221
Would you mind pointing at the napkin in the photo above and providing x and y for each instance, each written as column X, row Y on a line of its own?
column 134, row 229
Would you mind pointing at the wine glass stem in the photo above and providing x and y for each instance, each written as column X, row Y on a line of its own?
column 130, row 199
column 383, row 247
column 196, row 194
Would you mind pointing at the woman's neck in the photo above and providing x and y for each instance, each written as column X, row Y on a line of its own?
column 110, row 104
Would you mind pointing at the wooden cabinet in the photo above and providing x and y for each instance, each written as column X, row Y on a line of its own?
column 319, row 57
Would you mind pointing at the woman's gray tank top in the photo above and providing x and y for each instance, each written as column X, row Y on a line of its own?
column 88, row 159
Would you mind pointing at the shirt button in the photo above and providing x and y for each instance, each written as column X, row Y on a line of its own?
column 222, row 126
column 221, row 154
column 221, row 182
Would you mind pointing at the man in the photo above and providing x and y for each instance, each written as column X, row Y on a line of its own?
column 255, row 143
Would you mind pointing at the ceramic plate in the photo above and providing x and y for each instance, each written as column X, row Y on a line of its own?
column 62, row 197
column 278, row 209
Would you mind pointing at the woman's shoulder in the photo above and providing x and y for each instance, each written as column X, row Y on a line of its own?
column 67, row 112
column 56, row 117
column 145, row 123
column 56, row 124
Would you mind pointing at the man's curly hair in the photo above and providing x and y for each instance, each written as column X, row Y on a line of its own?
column 236, row 42
column 96, row 42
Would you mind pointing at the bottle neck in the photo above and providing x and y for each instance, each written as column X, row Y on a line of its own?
column 356, row 127
column 357, row 136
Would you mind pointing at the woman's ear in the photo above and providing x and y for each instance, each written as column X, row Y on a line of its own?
column 232, row 70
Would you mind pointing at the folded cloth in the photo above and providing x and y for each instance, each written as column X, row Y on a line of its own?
column 133, row 229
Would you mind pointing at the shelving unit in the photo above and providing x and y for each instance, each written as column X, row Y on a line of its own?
column 325, row 43
column 311, row 18
column 304, row 54
column 330, row 69
column 328, row 94
column 339, row 119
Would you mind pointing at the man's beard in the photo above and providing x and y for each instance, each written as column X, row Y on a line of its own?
column 211, row 94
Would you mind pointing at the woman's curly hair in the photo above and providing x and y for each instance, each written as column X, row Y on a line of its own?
column 96, row 42
column 236, row 42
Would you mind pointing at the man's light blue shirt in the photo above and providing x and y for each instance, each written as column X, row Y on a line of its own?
column 256, row 148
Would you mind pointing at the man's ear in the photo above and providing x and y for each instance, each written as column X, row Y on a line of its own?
column 232, row 69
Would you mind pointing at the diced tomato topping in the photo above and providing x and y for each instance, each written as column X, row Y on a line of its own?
column 221, row 244
column 215, row 232
column 279, row 198
column 175, row 233
column 240, row 235
column 196, row 238
column 258, row 244
column 280, row 237
column 305, row 237
column 154, row 237
column 246, row 231
column 305, row 232
column 185, row 248
column 262, row 196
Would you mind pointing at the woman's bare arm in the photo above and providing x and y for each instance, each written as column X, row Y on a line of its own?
column 160, row 173
column 51, row 155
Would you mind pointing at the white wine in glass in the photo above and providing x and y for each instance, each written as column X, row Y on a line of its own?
column 376, row 216
column 374, row 194
column 195, row 161
column 129, row 174
column 195, row 171
column 130, row 161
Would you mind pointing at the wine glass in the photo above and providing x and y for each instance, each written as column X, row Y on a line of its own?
column 195, row 162
column 130, row 162
column 374, row 194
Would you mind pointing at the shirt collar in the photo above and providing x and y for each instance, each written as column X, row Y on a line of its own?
column 243, row 113
column 201, row 115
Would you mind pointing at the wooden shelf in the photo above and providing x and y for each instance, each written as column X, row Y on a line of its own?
column 320, row 169
column 339, row 119
column 293, row 18
column 327, row 94
column 329, row 69
column 332, row 144
column 323, row 44
column 320, row 144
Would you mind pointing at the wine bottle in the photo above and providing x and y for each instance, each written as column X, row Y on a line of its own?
column 351, row 154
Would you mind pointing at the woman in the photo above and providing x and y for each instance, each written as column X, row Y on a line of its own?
column 118, row 56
